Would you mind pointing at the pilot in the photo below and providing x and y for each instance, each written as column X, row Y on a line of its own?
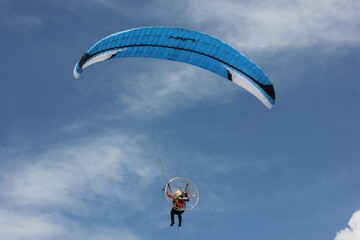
column 179, row 205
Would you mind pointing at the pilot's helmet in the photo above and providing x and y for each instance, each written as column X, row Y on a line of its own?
column 177, row 194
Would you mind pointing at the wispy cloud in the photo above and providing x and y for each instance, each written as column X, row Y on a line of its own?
column 16, row 225
column 22, row 20
column 171, row 87
column 94, row 165
column 19, row 225
column 279, row 24
column 253, row 25
column 41, row 193
column 353, row 231
column 15, row 19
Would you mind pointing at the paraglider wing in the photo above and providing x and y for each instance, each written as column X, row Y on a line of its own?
column 186, row 46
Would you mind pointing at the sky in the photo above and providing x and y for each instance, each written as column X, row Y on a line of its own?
column 87, row 158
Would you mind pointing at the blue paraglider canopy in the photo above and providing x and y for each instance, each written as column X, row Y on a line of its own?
column 186, row 46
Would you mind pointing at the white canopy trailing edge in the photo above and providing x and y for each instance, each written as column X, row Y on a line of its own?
column 98, row 58
column 250, row 87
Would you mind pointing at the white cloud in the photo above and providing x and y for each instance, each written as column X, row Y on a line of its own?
column 107, row 234
column 161, row 91
column 126, row 8
column 102, row 176
column 353, row 231
column 26, row 22
column 66, row 174
column 19, row 225
column 280, row 24
column 12, row 18
column 252, row 25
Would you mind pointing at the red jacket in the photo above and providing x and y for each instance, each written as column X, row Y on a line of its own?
column 178, row 202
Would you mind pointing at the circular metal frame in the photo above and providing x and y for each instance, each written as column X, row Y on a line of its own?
column 182, row 184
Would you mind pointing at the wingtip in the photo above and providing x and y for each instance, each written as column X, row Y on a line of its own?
column 76, row 72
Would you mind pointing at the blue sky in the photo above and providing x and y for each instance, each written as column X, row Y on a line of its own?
column 87, row 158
